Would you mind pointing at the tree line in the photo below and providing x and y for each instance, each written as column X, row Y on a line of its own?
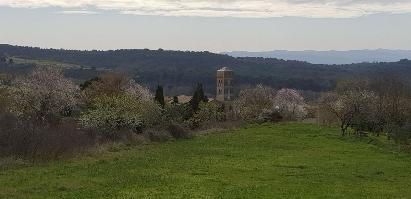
column 362, row 107
column 44, row 115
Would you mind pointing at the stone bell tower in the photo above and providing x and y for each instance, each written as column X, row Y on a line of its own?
column 224, row 84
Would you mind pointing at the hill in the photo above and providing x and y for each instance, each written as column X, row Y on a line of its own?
column 269, row 161
column 179, row 71
column 330, row 57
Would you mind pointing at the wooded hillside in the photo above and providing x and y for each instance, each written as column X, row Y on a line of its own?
column 179, row 71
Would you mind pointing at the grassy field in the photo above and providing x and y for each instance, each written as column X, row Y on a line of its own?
column 19, row 60
column 268, row 161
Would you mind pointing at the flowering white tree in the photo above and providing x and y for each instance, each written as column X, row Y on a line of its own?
column 112, row 113
column 253, row 101
column 44, row 95
column 138, row 91
column 353, row 108
column 116, row 102
column 290, row 104
column 112, row 84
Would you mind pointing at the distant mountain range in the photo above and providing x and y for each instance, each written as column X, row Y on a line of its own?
column 330, row 57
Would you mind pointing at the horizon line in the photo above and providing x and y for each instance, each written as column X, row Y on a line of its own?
column 216, row 52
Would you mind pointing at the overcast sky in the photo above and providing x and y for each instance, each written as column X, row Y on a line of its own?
column 213, row 25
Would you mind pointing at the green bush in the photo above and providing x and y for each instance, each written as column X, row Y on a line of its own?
column 119, row 112
column 177, row 113
column 270, row 115
column 192, row 123
column 178, row 132
column 399, row 133
column 210, row 112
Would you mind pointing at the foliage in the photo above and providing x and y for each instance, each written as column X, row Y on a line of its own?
column 34, row 115
column 252, row 101
column 290, row 104
column 175, row 100
column 351, row 108
column 159, row 97
column 5, row 98
column 210, row 112
column 399, row 133
column 3, row 59
column 270, row 115
column 177, row 112
column 113, row 84
column 374, row 106
column 197, row 98
column 178, row 132
column 138, row 91
column 44, row 96
column 392, row 105
column 179, row 69
column 119, row 112
column 89, row 82
column 22, row 141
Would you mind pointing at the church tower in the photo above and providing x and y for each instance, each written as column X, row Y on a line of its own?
column 224, row 84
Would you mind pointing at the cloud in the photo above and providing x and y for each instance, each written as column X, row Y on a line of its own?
column 226, row 8
column 82, row 12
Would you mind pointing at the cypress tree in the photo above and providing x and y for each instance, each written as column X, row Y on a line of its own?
column 175, row 100
column 159, row 98
column 201, row 94
column 198, row 97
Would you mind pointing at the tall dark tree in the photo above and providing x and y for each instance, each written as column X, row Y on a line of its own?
column 159, row 98
column 3, row 59
column 198, row 97
column 175, row 100
column 89, row 82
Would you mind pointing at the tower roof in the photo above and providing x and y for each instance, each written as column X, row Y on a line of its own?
column 225, row 69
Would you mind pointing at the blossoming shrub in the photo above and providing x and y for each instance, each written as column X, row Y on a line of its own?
column 110, row 114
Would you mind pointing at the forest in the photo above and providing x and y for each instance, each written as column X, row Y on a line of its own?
column 180, row 71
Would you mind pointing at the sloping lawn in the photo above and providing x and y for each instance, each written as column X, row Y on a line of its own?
column 268, row 161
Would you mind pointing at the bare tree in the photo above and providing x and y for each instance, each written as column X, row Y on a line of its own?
column 393, row 104
column 336, row 105
column 354, row 104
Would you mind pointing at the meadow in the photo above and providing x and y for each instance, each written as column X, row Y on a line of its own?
column 260, row 161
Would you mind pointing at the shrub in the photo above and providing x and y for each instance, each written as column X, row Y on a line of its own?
column 44, row 97
column 113, row 84
column 157, row 135
column 5, row 98
column 177, row 113
column 210, row 112
column 178, row 132
column 113, row 113
column 270, row 115
column 34, row 115
column 44, row 142
column 253, row 101
column 193, row 123
column 399, row 133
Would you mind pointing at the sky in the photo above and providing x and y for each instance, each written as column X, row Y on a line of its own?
column 207, row 25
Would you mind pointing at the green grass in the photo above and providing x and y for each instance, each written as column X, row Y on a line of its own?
column 19, row 60
column 269, row 161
